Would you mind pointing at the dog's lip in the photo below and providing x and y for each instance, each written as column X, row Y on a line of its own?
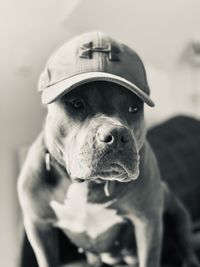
column 119, row 173
column 115, row 171
column 99, row 179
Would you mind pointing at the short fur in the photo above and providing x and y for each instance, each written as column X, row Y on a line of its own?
column 96, row 135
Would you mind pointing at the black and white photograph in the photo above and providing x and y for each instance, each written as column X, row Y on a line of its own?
column 100, row 133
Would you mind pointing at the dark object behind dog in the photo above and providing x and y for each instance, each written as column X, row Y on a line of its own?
column 177, row 147
column 176, row 144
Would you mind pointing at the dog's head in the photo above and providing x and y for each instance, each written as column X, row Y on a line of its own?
column 96, row 132
column 95, row 88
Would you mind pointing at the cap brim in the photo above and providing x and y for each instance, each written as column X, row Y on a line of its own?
column 60, row 88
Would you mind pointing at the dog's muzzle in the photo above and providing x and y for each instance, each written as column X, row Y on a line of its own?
column 105, row 150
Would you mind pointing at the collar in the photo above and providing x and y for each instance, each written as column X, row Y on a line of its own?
column 48, row 169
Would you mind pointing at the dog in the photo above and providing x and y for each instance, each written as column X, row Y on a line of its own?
column 91, row 171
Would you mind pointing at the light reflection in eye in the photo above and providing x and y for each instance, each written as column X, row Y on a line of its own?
column 133, row 109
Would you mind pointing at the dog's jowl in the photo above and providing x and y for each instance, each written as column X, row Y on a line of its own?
column 91, row 171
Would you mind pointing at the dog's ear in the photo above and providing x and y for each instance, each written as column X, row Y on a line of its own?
column 34, row 164
column 35, row 178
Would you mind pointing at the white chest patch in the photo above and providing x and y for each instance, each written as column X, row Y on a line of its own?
column 78, row 216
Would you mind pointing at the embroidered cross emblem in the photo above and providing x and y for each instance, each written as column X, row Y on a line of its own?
column 86, row 51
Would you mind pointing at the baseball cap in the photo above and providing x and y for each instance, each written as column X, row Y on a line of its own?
column 93, row 56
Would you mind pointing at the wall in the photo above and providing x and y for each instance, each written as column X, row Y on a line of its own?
column 159, row 31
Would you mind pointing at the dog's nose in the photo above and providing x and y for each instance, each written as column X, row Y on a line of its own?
column 114, row 135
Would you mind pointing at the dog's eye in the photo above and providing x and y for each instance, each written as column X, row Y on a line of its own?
column 133, row 109
column 78, row 104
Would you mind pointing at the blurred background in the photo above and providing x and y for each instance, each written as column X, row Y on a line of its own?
column 166, row 34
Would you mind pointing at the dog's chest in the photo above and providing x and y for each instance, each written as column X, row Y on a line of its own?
column 79, row 216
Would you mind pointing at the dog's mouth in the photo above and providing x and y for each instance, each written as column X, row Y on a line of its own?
column 118, row 167
column 101, row 166
column 113, row 172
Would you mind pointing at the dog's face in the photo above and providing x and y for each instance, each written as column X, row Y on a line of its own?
column 96, row 132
